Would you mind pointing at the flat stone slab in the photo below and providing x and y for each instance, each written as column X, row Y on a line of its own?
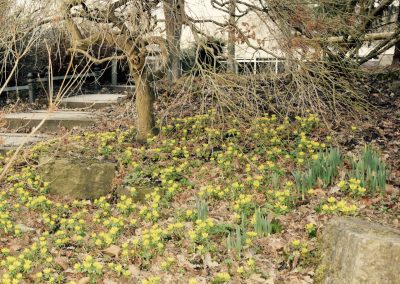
column 126, row 88
column 10, row 141
column 78, row 178
column 95, row 101
column 55, row 120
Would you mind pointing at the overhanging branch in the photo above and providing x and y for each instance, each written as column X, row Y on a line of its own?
column 94, row 59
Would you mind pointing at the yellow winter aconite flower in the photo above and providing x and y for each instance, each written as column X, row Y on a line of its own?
column 304, row 251
column 222, row 277
column 256, row 184
column 331, row 199
column 342, row 184
column 310, row 226
column 295, row 243
column 151, row 280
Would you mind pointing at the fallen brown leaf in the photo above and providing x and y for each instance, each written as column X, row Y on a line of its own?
column 84, row 280
column 62, row 261
column 209, row 262
column 113, row 251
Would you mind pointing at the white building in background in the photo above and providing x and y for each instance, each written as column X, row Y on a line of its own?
column 203, row 10
column 384, row 59
column 265, row 34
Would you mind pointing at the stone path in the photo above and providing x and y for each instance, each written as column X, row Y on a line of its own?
column 60, row 118
column 66, row 118
column 10, row 141
column 94, row 101
column 121, row 88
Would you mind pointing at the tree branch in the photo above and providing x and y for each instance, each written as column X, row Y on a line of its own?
column 94, row 59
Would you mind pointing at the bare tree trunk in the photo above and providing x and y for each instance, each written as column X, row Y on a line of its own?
column 175, row 61
column 231, row 37
column 396, row 55
column 144, row 107
column 174, row 13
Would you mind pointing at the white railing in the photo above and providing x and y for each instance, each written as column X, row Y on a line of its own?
column 32, row 82
column 256, row 61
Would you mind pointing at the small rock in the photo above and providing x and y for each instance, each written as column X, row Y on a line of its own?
column 24, row 228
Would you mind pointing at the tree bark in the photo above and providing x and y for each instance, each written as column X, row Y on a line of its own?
column 174, row 61
column 396, row 55
column 135, row 51
column 144, row 107
column 174, row 14
column 231, row 37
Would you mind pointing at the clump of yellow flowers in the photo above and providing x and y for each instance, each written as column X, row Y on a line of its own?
column 201, row 233
column 89, row 266
column 298, row 247
column 353, row 186
column 222, row 277
column 332, row 205
column 174, row 202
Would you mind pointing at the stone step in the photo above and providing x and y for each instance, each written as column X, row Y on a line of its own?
column 11, row 141
column 121, row 88
column 94, row 101
column 55, row 120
